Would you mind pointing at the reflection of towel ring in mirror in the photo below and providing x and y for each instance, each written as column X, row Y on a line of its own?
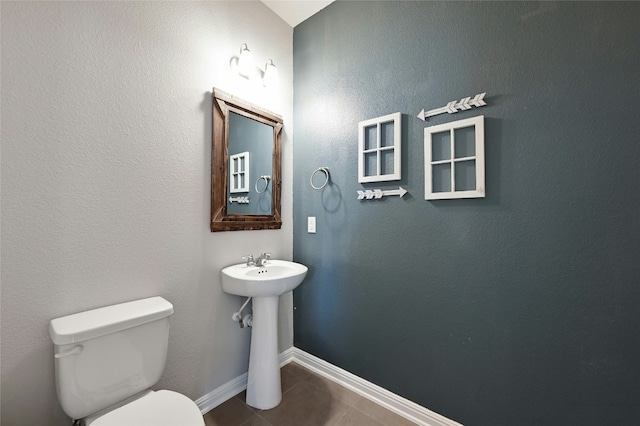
column 266, row 183
column 324, row 170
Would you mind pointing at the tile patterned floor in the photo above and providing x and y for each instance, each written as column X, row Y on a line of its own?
column 307, row 400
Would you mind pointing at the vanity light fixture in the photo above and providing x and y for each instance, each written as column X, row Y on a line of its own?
column 270, row 74
column 246, row 65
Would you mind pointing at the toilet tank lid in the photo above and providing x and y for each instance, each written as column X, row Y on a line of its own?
column 110, row 319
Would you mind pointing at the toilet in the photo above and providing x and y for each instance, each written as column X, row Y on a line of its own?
column 106, row 360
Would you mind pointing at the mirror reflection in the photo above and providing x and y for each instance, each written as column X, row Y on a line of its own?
column 250, row 166
column 245, row 165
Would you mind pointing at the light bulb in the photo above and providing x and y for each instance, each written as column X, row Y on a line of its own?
column 245, row 62
column 270, row 74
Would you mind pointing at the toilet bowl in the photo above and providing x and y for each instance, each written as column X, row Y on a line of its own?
column 159, row 408
column 107, row 359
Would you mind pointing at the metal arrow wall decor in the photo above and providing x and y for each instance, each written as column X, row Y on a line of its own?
column 376, row 194
column 239, row 200
column 455, row 106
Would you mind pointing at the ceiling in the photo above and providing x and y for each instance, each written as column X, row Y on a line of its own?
column 295, row 11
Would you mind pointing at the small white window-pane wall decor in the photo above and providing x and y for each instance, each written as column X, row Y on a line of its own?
column 239, row 172
column 379, row 149
column 454, row 160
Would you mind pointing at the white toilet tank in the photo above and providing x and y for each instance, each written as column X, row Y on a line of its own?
column 106, row 355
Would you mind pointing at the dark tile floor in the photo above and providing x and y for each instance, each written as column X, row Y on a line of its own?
column 307, row 400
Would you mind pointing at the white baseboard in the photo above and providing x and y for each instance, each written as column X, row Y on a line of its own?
column 219, row 395
column 399, row 405
column 289, row 355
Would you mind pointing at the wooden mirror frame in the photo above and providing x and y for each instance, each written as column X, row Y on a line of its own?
column 220, row 220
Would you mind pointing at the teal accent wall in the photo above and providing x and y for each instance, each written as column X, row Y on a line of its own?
column 521, row 308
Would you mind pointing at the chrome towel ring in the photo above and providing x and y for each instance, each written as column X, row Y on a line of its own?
column 266, row 183
column 324, row 170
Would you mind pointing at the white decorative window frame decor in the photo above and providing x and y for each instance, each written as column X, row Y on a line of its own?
column 454, row 159
column 239, row 172
column 380, row 149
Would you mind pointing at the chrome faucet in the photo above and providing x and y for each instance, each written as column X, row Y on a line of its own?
column 259, row 261
column 262, row 259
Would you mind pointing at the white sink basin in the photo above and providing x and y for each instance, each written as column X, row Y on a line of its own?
column 276, row 277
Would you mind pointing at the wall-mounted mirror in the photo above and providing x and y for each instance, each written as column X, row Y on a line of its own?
column 245, row 165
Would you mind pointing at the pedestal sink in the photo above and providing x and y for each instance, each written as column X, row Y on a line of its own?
column 264, row 284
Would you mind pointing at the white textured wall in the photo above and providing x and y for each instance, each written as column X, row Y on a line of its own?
column 106, row 145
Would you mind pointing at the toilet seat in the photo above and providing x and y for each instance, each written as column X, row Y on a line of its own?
column 160, row 408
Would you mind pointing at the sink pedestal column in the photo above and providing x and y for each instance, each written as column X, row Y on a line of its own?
column 263, row 385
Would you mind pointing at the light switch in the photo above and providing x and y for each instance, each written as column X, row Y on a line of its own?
column 311, row 224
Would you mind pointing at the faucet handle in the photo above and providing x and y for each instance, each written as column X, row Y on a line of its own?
column 265, row 256
column 250, row 259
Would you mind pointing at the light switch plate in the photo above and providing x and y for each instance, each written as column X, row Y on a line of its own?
column 311, row 224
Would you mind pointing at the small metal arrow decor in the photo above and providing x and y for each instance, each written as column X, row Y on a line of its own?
column 455, row 106
column 239, row 200
column 375, row 194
